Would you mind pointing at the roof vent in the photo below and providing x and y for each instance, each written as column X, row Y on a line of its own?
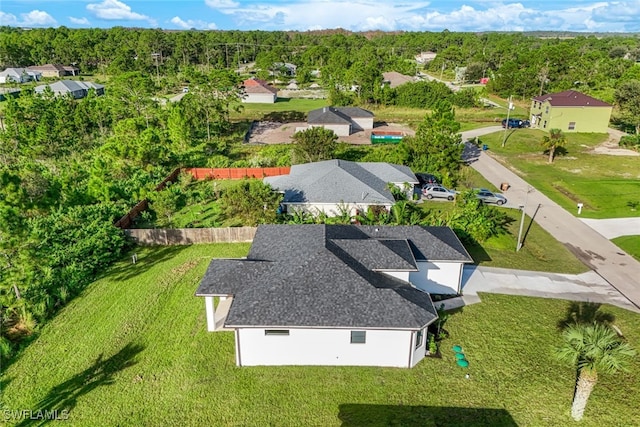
column 324, row 109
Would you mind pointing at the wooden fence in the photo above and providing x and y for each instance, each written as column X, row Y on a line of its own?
column 236, row 173
column 199, row 174
column 188, row 236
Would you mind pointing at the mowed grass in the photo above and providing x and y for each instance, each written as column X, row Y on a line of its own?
column 607, row 185
column 285, row 108
column 540, row 251
column 133, row 350
column 629, row 244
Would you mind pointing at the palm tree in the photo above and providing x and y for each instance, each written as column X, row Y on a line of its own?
column 592, row 348
column 553, row 141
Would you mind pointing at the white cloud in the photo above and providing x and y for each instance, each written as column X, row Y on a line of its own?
column 35, row 18
column 113, row 10
column 192, row 23
column 221, row 4
column 79, row 21
column 492, row 15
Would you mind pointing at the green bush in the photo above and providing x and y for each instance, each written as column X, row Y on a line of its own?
column 630, row 141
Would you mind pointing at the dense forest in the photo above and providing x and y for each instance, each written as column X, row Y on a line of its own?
column 69, row 168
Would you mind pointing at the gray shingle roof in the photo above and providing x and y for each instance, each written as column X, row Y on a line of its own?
column 67, row 86
column 341, row 181
column 336, row 115
column 317, row 276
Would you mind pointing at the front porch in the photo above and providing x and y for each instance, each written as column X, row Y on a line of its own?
column 217, row 315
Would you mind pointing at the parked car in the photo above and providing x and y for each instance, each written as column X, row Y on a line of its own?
column 514, row 123
column 426, row 179
column 487, row 196
column 438, row 192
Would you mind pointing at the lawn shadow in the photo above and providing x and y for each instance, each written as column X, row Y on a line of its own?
column 531, row 220
column 581, row 312
column 127, row 269
column 285, row 116
column 353, row 414
column 62, row 399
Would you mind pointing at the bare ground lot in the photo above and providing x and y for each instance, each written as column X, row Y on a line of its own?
column 281, row 133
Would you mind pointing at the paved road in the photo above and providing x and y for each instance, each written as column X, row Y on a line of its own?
column 617, row 267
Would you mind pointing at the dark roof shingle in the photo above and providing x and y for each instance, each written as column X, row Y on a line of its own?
column 326, row 276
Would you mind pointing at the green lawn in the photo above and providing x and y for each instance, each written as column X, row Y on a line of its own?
column 630, row 244
column 607, row 185
column 284, row 109
column 133, row 350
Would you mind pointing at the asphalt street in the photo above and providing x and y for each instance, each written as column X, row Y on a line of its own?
column 617, row 268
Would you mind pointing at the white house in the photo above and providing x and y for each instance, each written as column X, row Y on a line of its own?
column 343, row 121
column 19, row 75
column 258, row 91
column 333, row 186
column 77, row 89
column 332, row 294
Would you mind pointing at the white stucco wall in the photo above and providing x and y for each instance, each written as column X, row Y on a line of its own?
column 331, row 209
column 260, row 98
column 437, row 277
column 330, row 347
column 420, row 351
column 363, row 122
column 340, row 130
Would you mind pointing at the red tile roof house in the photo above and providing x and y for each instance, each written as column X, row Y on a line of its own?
column 333, row 294
column 570, row 111
column 259, row 92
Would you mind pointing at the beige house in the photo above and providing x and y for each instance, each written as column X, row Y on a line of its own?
column 570, row 111
column 343, row 121
column 258, row 91
column 55, row 70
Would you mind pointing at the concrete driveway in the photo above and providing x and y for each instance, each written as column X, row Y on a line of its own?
column 615, row 266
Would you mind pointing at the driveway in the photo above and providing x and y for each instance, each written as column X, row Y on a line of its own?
column 611, row 263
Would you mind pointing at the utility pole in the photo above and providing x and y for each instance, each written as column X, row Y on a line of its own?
column 522, row 208
column 506, row 124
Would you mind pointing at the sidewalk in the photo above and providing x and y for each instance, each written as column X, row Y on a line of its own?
column 615, row 266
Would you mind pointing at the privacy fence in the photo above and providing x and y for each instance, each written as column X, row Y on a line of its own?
column 201, row 173
column 187, row 236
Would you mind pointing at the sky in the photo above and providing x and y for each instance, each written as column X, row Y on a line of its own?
column 304, row 15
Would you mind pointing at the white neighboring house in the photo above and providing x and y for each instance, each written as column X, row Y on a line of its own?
column 333, row 186
column 425, row 57
column 343, row 121
column 19, row 75
column 330, row 294
column 77, row 89
column 258, row 91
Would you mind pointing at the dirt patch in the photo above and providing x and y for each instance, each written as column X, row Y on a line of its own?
column 611, row 145
column 281, row 133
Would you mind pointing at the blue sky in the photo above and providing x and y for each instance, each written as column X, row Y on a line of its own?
column 303, row 15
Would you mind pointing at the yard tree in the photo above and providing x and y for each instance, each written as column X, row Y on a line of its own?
column 628, row 98
column 250, row 202
column 314, row 144
column 553, row 141
column 437, row 145
column 592, row 348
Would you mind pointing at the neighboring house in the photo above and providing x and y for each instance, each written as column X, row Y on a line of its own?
column 333, row 294
column 333, row 186
column 18, row 75
column 259, row 92
column 425, row 57
column 343, row 121
column 55, row 70
column 570, row 111
column 77, row 89
column 285, row 68
column 394, row 79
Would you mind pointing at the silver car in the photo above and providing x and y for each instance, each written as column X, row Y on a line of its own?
column 438, row 192
column 487, row 196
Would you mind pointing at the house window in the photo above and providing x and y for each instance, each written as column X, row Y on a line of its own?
column 546, row 110
column 276, row 332
column 358, row 337
column 572, row 125
column 544, row 125
column 419, row 337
